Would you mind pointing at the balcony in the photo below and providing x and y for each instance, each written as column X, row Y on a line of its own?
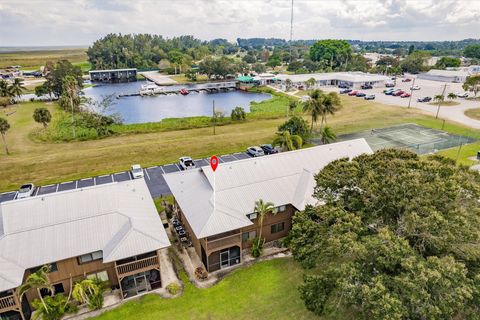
column 223, row 243
column 131, row 268
column 8, row 303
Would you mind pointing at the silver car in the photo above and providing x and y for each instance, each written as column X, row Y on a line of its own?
column 255, row 151
column 26, row 191
column 136, row 171
column 186, row 163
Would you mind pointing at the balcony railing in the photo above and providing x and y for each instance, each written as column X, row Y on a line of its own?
column 133, row 267
column 8, row 303
column 225, row 242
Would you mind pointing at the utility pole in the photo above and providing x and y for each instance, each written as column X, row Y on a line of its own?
column 214, row 116
column 291, row 31
column 441, row 100
column 411, row 92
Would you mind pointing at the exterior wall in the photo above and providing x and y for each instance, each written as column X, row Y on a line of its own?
column 285, row 216
column 70, row 268
column 195, row 242
column 112, row 75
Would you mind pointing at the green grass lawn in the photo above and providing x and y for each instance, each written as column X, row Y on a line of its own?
column 44, row 163
column 266, row 290
column 180, row 78
column 473, row 113
column 446, row 103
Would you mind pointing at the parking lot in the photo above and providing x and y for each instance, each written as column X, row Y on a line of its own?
column 428, row 88
column 153, row 177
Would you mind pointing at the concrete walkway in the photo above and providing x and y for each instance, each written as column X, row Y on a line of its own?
column 158, row 78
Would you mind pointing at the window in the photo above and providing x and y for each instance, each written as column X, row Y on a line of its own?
column 89, row 257
column 279, row 209
column 278, row 227
column 252, row 216
column 102, row 276
column 249, row 235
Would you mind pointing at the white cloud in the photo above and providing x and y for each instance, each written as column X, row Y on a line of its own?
column 63, row 22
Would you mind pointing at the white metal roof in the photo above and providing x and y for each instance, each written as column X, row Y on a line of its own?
column 284, row 178
column 448, row 73
column 113, row 70
column 120, row 219
column 340, row 76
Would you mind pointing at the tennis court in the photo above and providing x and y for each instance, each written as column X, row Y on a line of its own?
column 410, row 136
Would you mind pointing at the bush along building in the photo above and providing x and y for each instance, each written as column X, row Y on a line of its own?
column 111, row 232
column 217, row 208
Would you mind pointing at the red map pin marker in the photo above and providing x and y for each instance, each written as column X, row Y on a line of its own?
column 214, row 163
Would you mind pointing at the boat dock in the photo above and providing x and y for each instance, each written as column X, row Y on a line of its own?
column 203, row 87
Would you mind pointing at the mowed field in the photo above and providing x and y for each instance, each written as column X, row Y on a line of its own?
column 32, row 60
column 266, row 290
column 45, row 163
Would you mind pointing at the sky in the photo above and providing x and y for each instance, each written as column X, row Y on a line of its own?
column 80, row 22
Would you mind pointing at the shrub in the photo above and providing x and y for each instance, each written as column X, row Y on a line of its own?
column 56, row 307
column 257, row 247
column 238, row 114
column 173, row 288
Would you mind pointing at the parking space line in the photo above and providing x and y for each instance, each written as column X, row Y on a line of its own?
column 162, row 169
column 76, row 184
column 233, row 155
column 36, row 191
column 56, row 190
column 146, row 172
column 176, row 165
column 221, row 160
column 111, row 177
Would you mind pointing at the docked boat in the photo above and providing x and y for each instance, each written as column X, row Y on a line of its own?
column 150, row 89
column 184, row 92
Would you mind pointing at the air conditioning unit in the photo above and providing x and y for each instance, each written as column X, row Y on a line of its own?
column 252, row 216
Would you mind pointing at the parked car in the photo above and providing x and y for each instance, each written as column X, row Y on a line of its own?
column 186, row 163
column 424, row 99
column 255, row 151
column 345, row 91
column 343, row 85
column 415, row 88
column 461, row 95
column 369, row 97
column 405, row 95
column 398, row 93
column 367, row 86
column 389, row 84
column 406, row 80
column 361, row 94
column 136, row 171
column 353, row 93
column 26, row 191
column 268, row 149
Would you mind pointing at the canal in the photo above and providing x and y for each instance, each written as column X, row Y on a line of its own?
column 138, row 109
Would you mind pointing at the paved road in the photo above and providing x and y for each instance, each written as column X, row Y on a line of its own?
column 153, row 177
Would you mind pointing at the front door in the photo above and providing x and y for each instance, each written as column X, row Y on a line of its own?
column 224, row 258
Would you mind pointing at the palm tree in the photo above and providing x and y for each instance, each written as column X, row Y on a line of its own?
column 4, row 89
column 292, row 106
column 439, row 98
column 327, row 135
column 37, row 281
column 262, row 209
column 288, row 84
column 42, row 115
column 17, row 87
column 4, row 126
column 90, row 292
column 287, row 141
column 314, row 106
column 452, row 96
column 331, row 104
column 310, row 82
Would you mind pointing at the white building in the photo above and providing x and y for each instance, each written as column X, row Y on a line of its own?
column 351, row 79
column 445, row 75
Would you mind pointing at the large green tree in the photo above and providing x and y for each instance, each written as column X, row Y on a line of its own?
column 472, row 84
column 296, row 126
column 17, row 88
column 56, row 73
column 415, row 62
column 396, row 237
column 287, row 141
column 333, row 52
column 472, row 51
column 448, row 62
